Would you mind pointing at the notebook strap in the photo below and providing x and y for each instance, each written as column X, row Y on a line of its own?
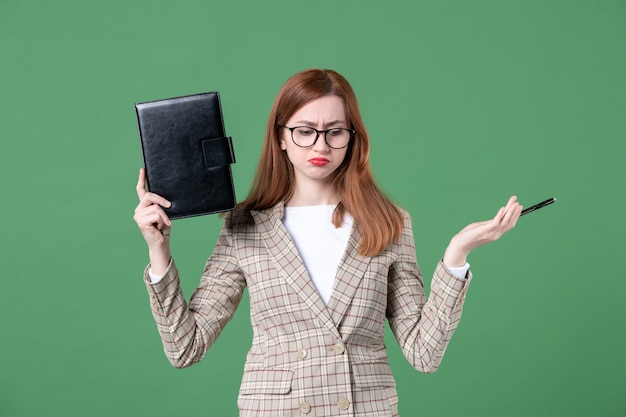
column 218, row 152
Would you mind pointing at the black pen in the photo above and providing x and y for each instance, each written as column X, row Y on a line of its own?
column 538, row 206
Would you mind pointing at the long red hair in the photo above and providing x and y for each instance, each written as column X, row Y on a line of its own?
column 378, row 220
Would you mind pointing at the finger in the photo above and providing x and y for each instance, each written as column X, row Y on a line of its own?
column 499, row 215
column 515, row 215
column 152, row 215
column 149, row 221
column 164, row 221
column 150, row 199
column 510, row 219
column 142, row 192
column 163, row 217
column 510, row 203
column 153, row 198
column 506, row 218
column 507, row 210
column 141, row 184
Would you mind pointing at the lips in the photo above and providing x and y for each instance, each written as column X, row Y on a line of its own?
column 319, row 162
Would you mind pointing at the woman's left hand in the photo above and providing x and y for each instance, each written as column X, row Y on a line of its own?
column 478, row 234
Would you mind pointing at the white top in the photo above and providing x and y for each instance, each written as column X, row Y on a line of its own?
column 321, row 245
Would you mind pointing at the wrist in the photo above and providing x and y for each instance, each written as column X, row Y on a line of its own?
column 159, row 259
column 455, row 256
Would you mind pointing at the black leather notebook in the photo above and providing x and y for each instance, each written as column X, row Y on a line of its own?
column 187, row 155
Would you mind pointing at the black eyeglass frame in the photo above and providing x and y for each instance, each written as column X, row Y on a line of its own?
column 317, row 135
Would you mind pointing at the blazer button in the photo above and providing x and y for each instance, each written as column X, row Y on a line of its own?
column 301, row 353
column 344, row 404
column 305, row 407
column 339, row 348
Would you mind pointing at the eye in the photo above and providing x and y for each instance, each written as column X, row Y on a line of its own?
column 336, row 132
column 305, row 131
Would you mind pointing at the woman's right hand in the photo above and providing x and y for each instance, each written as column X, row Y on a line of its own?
column 153, row 222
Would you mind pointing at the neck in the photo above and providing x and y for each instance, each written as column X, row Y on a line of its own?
column 313, row 193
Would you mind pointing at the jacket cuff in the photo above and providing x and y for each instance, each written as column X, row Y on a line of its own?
column 450, row 289
column 166, row 286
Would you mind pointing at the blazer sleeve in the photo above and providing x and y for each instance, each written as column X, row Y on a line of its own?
column 422, row 328
column 187, row 330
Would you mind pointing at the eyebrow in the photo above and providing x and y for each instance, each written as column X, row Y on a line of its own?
column 331, row 123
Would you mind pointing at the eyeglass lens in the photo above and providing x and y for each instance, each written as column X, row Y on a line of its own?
column 306, row 136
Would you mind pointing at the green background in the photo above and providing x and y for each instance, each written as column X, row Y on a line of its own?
column 467, row 102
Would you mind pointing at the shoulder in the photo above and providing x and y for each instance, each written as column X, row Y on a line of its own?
column 237, row 218
column 407, row 226
column 404, row 212
column 247, row 220
column 406, row 216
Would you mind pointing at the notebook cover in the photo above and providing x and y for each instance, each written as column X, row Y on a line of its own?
column 187, row 155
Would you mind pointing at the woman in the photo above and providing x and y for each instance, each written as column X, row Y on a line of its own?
column 326, row 258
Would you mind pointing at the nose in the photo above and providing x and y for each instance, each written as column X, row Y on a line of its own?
column 320, row 144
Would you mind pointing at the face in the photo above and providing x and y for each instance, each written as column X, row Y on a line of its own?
column 317, row 162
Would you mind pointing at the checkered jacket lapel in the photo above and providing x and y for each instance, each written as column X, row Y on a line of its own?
column 350, row 272
column 288, row 262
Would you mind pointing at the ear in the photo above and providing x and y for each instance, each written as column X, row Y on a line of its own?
column 283, row 145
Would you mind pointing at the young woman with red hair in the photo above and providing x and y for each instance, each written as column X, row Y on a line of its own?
column 326, row 258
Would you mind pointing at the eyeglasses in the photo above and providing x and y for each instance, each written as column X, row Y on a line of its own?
column 305, row 136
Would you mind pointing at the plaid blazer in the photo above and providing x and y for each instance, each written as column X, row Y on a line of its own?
column 309, row 359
